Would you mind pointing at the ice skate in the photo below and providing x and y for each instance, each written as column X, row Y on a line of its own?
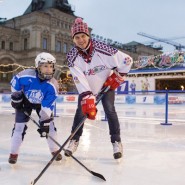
column 117, row 150
column 73, row 144
column 13, row 158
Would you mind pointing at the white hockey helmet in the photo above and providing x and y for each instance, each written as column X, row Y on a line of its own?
column 43, row 58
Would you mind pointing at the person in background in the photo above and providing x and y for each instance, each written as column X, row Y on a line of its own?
column 133, row 87
column 143, row 87
column 147, row 85
column 94, row 65
column 34, row 89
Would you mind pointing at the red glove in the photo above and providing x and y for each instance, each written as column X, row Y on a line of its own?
column 114, row 80
column 89, row 107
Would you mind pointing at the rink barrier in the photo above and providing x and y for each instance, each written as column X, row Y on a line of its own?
column 55, row 110
column 166, row 111
column 164, row 97
column 166, row 100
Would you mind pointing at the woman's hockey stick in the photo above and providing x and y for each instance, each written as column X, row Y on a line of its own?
column 93, row 173
column 99, row 97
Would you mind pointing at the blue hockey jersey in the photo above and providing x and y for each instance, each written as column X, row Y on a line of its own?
column 36, row 91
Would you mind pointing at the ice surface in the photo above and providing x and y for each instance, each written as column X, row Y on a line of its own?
column 153, row 154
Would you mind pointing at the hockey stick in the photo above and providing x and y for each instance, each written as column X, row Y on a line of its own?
column 99, row 97
column 93, row 173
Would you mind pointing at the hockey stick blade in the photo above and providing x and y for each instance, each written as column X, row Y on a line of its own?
column 98, row 175
column 93, row 173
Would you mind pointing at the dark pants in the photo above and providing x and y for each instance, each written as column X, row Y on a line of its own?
column 109, row 108
column 20, row 117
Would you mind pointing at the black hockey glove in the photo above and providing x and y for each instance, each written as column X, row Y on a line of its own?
column 44, row 127
column 17, row 100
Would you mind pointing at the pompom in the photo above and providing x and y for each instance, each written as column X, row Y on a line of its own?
column 78, row 20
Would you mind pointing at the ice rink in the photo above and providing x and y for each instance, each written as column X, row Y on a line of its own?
column 153, row 154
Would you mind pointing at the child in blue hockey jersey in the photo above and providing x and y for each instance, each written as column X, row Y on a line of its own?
column 34, row 89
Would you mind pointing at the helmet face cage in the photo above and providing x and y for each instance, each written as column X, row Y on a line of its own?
column 45, row 58
column 44, row 76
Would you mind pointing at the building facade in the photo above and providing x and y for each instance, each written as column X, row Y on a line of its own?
column 45, row 26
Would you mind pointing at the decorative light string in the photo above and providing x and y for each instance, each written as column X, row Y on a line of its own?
column 163, row 61
column 18, row 66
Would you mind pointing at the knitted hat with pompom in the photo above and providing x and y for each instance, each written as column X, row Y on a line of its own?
column 79, row 27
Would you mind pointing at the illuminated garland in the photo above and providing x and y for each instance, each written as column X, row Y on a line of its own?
column 163, row 61
column 18, row 66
